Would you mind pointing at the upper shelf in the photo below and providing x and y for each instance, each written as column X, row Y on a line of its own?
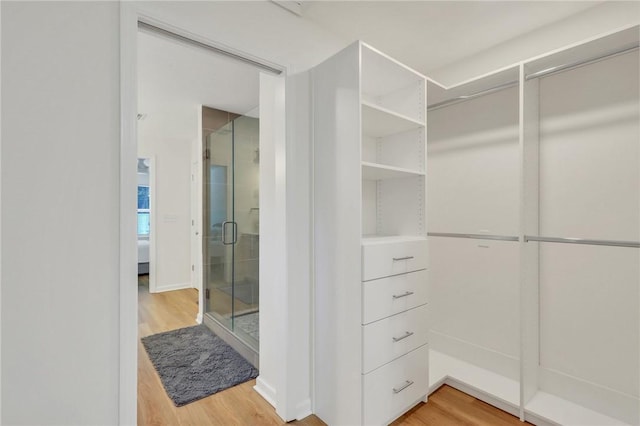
column 375, row 171
column 380, row 122
column 382, row 74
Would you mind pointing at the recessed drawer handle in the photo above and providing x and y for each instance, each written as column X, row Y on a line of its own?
column 403, row 387
column 399, row 296
column 396, row 259
column 407, row 334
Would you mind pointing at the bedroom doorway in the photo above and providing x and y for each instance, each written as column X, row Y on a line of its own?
column 144, row 219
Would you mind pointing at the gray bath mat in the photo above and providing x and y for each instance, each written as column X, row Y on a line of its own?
column 194, row 363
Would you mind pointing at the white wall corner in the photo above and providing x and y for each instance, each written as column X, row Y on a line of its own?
column 303, row 409
column 128, row 361
column 297, row 397
column 0, row 224
column 265, row 390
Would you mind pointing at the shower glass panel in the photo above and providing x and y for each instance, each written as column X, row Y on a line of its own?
column 231, row 227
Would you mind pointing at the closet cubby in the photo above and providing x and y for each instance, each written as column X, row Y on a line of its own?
column 390, row 91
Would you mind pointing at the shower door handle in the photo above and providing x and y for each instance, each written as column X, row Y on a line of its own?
column 224, row 232
column 235, row 232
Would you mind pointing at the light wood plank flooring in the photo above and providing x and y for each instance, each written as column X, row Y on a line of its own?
column 241, row 405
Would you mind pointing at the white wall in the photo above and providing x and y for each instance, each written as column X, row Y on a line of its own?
column 171, row 191
column 608, row 17
column 60, row 115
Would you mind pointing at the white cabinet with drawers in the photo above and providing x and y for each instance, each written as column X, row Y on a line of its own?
column 370, row 247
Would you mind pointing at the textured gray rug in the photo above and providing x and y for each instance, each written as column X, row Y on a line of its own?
column 194, row 363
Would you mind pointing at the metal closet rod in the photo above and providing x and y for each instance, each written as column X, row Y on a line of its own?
column 462, row 98
column 157, row 30
column 537, row 74
column 612, row 243
column 572, row 65
column 473, row 236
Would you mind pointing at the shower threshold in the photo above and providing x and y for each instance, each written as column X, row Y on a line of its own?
column 242, row 342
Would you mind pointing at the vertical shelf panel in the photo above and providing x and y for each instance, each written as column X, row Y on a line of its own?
column 337, row 233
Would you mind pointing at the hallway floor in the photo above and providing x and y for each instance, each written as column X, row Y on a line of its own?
column 241, row 405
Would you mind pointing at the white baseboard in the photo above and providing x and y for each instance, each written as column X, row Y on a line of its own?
column 303, row 409
column 172, row 287
column 266, row 391
column 491, row 360
column 199, row 318
column 483, row 396
column 612, row 403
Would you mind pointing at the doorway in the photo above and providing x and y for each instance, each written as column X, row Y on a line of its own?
column 272, row 93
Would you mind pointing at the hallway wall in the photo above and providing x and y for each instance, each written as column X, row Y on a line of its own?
column 60, row 209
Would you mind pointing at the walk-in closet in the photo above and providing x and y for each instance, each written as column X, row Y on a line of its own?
column 533, row 220
column 503, row 212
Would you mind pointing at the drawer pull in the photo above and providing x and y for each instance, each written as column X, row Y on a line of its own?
column 399, row 296
column 403, row 387
column 396, row 259
column 407, row 334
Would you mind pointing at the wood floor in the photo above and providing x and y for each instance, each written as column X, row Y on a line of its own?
column 241, row 405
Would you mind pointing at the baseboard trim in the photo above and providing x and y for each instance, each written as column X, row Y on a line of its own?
column 483, row 396
column 303, row 409
column 538, row 420
column 172, row 287
column 610, row 402
column 266, row 391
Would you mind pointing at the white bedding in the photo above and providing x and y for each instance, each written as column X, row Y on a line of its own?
column 143, row 251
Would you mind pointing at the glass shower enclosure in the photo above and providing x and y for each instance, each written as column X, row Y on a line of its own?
column 231, row 228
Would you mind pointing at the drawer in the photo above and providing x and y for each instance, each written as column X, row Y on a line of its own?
column 390, row 338
column 391, row 295
column 394, row 388
column 385, row 259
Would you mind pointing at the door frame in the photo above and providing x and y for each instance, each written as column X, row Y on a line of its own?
column 130, row 15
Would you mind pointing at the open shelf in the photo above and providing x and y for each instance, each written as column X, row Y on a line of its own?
column 382, row 75
column 557, row 410
column 446, row 369
column 375, row 171
column 378, row 121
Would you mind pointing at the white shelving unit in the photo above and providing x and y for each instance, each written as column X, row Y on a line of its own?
column 546, row 331
column 370, row 238
column 547, row 147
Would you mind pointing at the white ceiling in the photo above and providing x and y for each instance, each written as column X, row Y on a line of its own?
column 427, row 35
